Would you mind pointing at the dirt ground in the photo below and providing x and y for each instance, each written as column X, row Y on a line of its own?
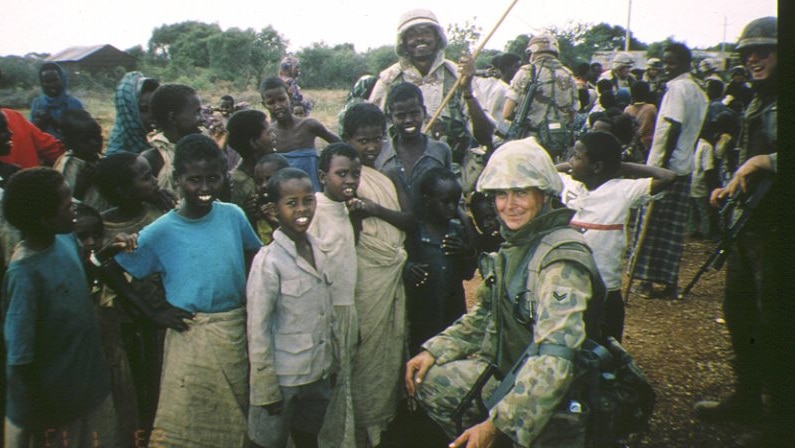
column 683, row 347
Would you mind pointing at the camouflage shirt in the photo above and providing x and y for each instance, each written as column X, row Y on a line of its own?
column 564, row 289
column 557, row 90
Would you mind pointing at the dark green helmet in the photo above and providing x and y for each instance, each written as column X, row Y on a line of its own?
column 763, row 31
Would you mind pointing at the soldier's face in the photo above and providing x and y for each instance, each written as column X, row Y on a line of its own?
column 760, row 61
column 517, row 207
column 421, row 42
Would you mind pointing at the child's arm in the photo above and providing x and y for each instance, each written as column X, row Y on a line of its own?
column 262, row 290
column 563, row 167
column 321, row 131
column 661, row 177
column 170, row 317
column 83, row 180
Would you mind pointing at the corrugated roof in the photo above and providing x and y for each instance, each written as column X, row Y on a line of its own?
column 74, row 53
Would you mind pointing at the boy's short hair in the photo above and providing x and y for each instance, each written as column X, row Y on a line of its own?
column 603, row 147
column 194, row 148
column 31, row 194
column 624, row 127
column 279, row 160
column 228, row 98
column 114, row 172
column 681, row 52
column 433, row 177
column 243, row 126
column 604, row 85
column 169, row 98
column 403, row 92
column 275, row 182
column 714, row 89
column 78, row 125
column 272, row 82
column 86, row 211
column 361, row 115
column 640, row 91
column 335, row 149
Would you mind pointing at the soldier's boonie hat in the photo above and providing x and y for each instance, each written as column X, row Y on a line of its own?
column 543, row 43
column 622, row 60
column 520, row 164
column 419, row 17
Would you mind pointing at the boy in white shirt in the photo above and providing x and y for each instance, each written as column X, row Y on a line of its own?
column 593, row 186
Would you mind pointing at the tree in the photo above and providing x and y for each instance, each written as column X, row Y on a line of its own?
column 325, row 67
column 380, row 58
column 183, row 44
column 460, row 38
column 518, row 46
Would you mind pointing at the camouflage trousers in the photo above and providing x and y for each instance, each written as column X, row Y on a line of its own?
column 444, row 386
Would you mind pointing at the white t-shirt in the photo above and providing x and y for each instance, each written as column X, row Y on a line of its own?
column 685, row 103
column 601, row 215
column 705, row 161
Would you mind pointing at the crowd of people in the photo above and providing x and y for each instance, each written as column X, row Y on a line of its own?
column 212, row 278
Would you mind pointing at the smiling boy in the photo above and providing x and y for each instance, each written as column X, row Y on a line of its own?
column 411, row 153
column 295, row 136
column 289, row 322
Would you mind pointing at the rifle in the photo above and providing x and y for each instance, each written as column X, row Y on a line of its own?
column 732, row 232
column 519, row 125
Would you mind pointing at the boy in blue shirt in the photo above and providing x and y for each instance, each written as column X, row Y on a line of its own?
column 200, row 250
column 58, row 388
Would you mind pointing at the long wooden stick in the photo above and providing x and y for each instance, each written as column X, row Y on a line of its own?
column 644, row 229
column 474, row 56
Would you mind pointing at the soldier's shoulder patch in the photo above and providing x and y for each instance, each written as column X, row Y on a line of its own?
column 561, row 296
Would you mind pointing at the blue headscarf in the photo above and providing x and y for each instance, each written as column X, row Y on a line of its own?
column 129, row 131
column 54, row 106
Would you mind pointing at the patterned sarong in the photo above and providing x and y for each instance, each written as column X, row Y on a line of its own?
column 658, row 259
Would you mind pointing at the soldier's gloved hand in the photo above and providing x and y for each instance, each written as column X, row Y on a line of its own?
column 416, row 369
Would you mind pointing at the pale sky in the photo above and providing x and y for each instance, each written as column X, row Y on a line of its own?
column 52, row 25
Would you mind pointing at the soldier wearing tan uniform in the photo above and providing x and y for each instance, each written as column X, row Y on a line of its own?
column 555, row 101
column 525, row 186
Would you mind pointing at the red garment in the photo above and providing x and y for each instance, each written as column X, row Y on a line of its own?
column 31, row 146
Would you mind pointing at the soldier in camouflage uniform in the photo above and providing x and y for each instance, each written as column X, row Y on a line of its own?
column 556, row 94
column 525, row 185
column 420, row 48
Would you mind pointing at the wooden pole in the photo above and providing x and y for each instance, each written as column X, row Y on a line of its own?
column 636, row 250
column 474, row 56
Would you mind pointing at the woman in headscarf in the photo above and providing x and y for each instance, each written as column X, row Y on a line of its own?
column 46, row 109
column 133, row 118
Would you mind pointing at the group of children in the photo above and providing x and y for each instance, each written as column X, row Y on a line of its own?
column 171, row 318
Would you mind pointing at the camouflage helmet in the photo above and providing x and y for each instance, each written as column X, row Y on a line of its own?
column 622, row 60
column 520, row 164
column 418, row 17
column 543, row 43
column 739, row 70
column 654, row 63
column 763, row 31
column 708, row 66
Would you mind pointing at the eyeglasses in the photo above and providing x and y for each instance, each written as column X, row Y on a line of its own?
column 761, row 52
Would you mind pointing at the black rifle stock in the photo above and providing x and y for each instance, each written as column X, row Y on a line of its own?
column 747, row 204
column 519, row 125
